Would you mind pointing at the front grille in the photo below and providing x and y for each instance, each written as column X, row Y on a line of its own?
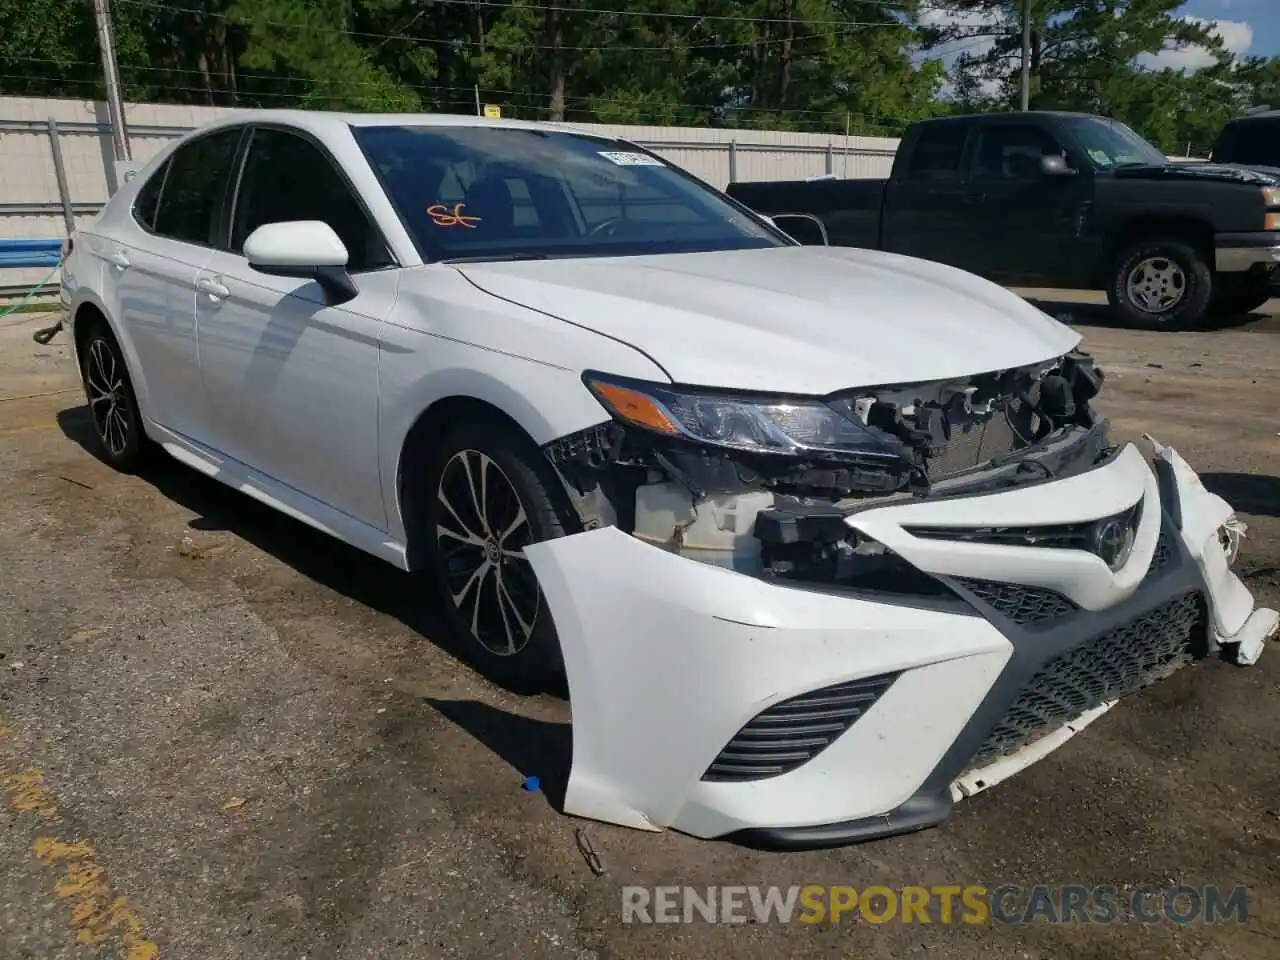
column 793, row 732
column 1108, row 667
column 1023, row 605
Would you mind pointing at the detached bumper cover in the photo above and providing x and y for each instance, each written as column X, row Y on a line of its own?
column 720, row 704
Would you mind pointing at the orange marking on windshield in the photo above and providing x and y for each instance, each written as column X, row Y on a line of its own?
column 442, row 217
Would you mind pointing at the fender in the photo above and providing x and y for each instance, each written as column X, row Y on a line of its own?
column 86, row 296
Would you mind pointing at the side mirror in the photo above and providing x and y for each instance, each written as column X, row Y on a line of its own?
column 308, row 249
column 804, row 228
column 1053, row 165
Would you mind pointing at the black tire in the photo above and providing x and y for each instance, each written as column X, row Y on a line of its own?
column 508, row 634
column 1161, row 265
column 1236, row 296
column 113, row 406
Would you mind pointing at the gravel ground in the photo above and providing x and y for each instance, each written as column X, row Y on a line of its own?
column 224, row 736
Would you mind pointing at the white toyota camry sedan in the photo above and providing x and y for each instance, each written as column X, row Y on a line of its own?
column 822, row 540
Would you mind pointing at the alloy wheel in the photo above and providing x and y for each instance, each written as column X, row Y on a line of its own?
column 1156, row 285
column 108, row 401
column 481, row 534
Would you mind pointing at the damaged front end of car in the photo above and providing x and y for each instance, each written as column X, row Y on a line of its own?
column 763, row 484
column 808, row 622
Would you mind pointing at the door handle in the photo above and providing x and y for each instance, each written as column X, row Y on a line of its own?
column 120, row 259
column 213, row 288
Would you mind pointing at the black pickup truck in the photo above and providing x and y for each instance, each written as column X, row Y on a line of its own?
column 1061, row 200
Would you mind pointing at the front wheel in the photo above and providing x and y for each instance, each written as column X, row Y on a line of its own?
column 1161, row 284
column 489, row 493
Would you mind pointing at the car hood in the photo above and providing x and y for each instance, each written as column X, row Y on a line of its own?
column 810, row 320
column 1249, row 175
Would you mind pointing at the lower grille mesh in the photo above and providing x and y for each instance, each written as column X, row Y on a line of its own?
column 793, row 732
column 1113, row 665
column 1022, row 605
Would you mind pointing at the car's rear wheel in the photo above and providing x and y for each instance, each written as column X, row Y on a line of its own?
column 1161, row 284
column 489, row 493
column 113, row 406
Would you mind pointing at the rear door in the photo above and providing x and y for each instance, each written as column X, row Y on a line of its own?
column 1027, row 226
column 929, row 210
column 150, row 273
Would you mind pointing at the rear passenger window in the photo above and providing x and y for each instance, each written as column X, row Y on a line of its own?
column 938, row 152
column 192, row 199
column 147, row 201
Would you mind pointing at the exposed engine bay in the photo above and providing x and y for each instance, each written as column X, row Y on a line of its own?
column 763, row 484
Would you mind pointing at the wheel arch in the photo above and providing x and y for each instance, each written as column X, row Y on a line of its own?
column 484, row 401
column 1187, row 227
column 89, row 309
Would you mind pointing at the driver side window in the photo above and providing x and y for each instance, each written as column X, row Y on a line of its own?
column 1012, row 152
column 286, row 177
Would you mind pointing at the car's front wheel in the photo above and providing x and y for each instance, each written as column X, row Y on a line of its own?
column 489, row 493
column 113, row 406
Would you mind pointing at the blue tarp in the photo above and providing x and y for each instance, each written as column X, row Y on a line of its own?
column 30, row 253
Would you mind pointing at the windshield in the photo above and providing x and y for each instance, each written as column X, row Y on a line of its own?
column 1109, row 143
column 481, row 192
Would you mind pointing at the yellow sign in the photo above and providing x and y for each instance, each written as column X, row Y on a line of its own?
column 492, row 111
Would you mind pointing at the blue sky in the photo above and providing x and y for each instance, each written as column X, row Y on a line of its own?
column 1248, row 27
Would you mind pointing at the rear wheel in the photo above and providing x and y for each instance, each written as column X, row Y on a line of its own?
column 488, row 493
column 113, row 406
column 1161, row 284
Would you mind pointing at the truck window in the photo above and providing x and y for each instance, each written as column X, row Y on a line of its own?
column 1254, row 142
column 937, row 152
column 1012, row 151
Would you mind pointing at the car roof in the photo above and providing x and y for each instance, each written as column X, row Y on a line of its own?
column 330, row 123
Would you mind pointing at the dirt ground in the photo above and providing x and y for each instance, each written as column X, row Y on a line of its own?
column 225, row 736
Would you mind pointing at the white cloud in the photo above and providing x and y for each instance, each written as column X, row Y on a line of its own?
column 1236, row 35
column 983, row 26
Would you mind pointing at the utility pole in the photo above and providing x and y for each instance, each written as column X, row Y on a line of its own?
column 1026, row 55
column 111, row 76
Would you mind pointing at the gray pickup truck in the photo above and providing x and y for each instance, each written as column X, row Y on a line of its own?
column 1062, row 200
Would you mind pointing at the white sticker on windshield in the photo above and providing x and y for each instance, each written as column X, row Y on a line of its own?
column 631, row 159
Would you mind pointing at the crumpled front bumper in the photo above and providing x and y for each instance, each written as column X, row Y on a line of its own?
column 677, row 669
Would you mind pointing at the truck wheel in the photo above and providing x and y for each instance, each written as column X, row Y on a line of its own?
column 1161, row 284
column 1236, row 296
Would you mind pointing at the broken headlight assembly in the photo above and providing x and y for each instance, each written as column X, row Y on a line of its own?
column 748, row 424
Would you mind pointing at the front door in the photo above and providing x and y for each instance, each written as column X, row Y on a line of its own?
column 1029, row 222
column 293, row 381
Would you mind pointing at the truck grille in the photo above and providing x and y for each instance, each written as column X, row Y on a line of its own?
column 1108, row 667
column 793, row 732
